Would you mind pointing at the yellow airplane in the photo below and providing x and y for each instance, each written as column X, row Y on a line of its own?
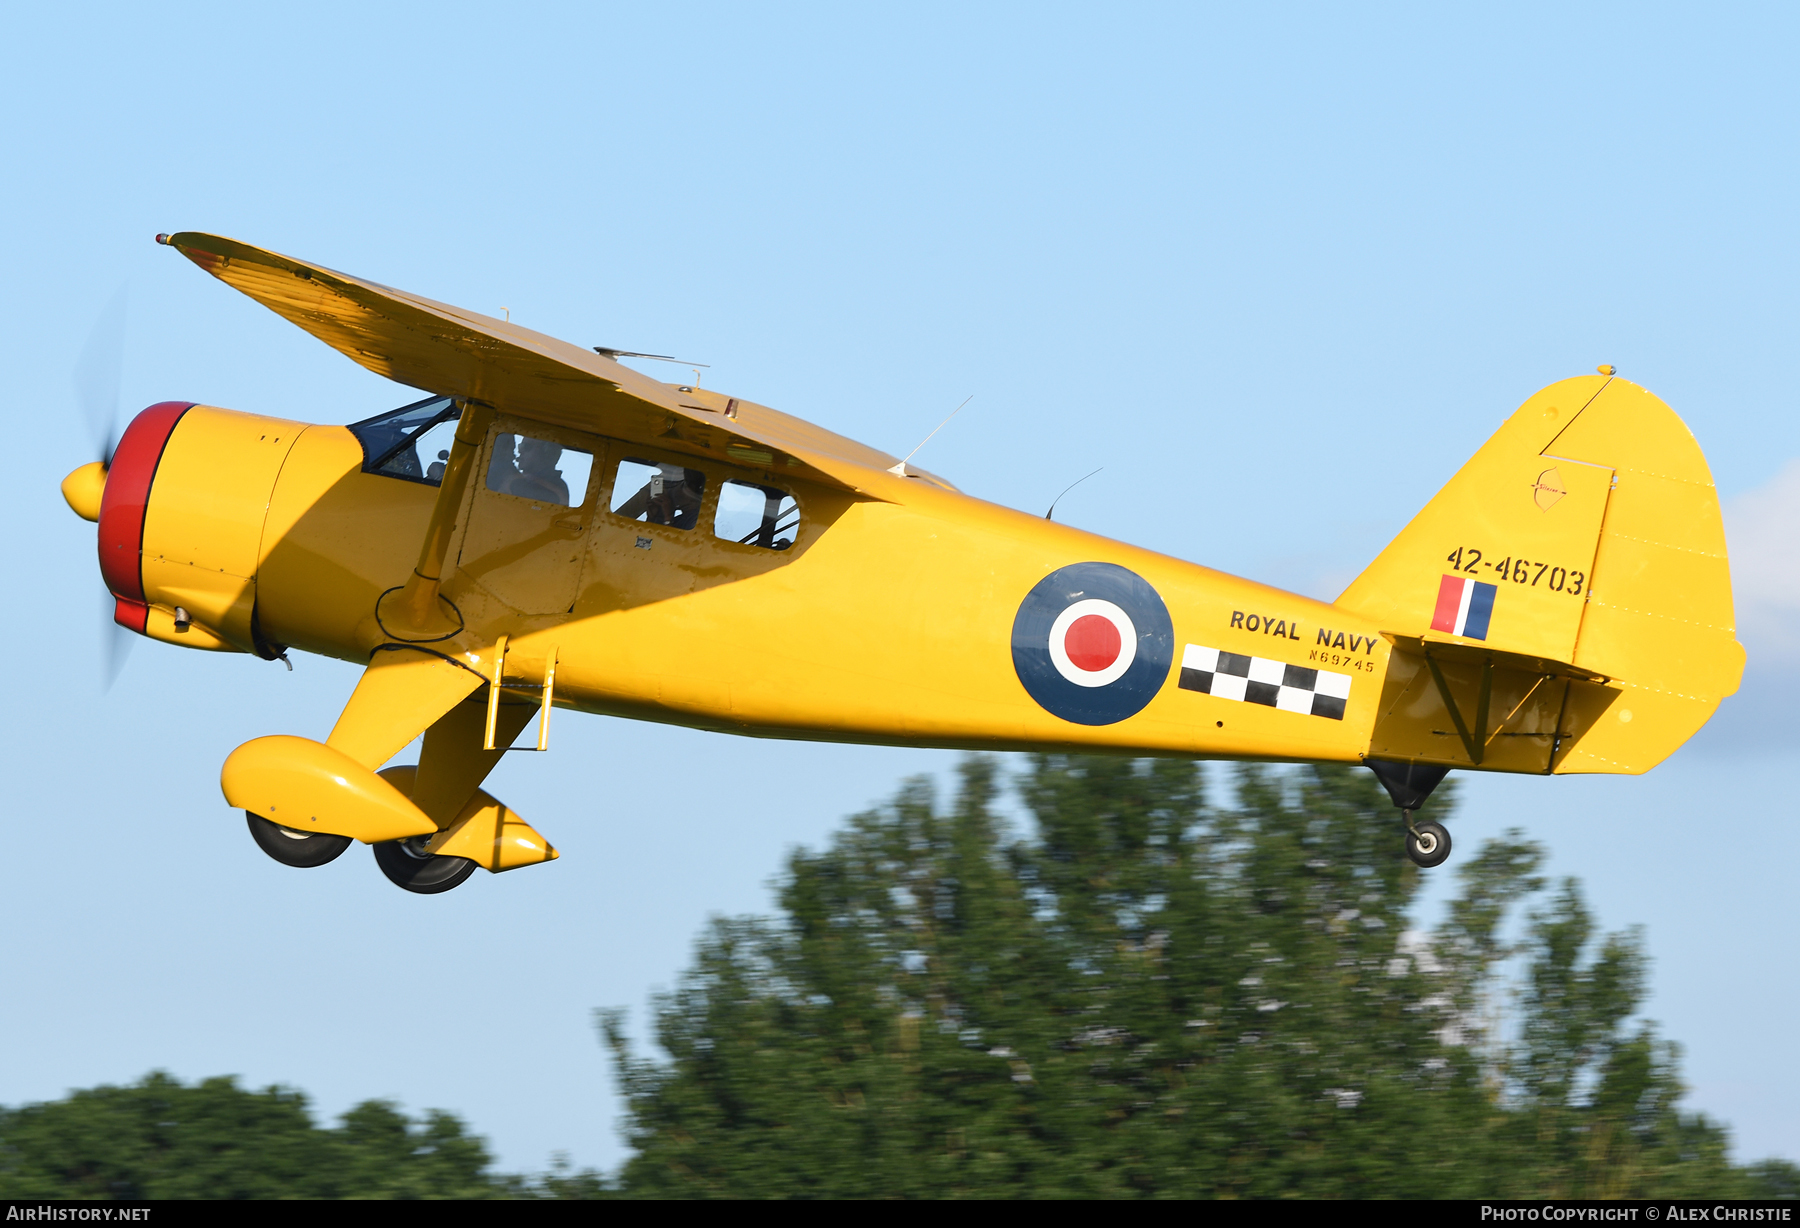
column 549, row 528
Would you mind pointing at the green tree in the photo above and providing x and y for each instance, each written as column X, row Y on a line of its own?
column 162, row 1139
column 1593, row 1109
column 1157, row 997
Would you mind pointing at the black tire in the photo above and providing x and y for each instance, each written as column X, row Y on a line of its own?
column 1428, row 844
column 301, row 849
column 408, row 867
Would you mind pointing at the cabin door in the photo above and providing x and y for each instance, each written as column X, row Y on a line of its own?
column 533, row 498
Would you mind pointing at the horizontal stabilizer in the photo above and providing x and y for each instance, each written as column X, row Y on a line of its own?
column 1449, row 702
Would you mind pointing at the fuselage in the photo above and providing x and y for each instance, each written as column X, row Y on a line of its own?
column 892, row 618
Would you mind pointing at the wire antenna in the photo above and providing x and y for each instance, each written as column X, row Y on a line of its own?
column 1071, row 486
column 934, row 430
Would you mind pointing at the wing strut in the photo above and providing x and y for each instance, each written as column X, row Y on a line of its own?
column 416, row 611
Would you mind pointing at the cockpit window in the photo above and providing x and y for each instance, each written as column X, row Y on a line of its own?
column 412, row 442
column 753, row 515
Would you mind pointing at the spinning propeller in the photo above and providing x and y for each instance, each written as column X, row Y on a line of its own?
column 98, row 376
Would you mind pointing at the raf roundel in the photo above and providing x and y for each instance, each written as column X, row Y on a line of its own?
column 1093, row 643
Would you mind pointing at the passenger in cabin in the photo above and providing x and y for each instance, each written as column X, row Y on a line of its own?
column 671, row 496
column 679, row 503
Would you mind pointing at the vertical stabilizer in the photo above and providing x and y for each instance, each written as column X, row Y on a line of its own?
column 1577, row 560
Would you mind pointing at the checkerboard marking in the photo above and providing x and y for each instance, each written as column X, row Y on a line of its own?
column 1258, row 680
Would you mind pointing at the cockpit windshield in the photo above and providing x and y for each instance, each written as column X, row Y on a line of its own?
column 412, row 442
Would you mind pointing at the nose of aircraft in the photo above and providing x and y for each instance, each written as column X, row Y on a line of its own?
column 102, row 491
column 83, row 489
column 182, row 503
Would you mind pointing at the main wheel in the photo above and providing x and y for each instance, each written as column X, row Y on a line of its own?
column 302, row 849
column 1428, row 844
column 408, row 865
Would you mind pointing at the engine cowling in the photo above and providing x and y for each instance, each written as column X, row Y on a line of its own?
column 181, row 520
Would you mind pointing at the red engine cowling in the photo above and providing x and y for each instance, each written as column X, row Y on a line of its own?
column 123, row 508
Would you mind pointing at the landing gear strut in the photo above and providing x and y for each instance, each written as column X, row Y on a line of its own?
column 1409, row 784
column 1427, row 843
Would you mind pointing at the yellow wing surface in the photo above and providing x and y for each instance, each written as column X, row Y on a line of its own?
column 1564, row 603
column 452, row 352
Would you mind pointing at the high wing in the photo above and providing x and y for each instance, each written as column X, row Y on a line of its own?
column 451, row 352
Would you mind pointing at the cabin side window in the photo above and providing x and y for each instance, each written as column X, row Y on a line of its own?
column 753, row 515
column 412, row 442
column 657, row 492
column 541, row 470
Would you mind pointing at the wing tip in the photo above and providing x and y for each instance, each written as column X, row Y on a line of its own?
column 216, row 253
column 210, row 252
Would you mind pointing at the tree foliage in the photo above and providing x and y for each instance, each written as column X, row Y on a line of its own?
column 1150, row 996
column 160, row 1138
column 1158, row 997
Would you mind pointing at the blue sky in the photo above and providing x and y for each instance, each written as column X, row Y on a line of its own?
column 1279, row 272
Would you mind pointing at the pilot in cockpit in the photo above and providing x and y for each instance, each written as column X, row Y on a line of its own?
column 539, row 478
column 529, row 471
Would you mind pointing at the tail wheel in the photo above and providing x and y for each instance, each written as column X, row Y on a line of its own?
column 408, row 865
column 301, row 849
column 1428, row 844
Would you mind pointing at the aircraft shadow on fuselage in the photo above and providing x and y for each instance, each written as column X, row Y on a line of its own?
column 360, row 537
